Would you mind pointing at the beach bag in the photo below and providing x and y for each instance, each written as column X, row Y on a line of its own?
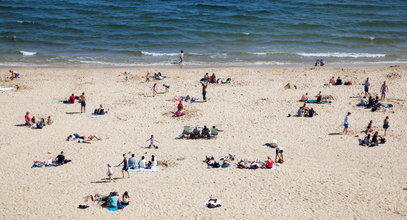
column 216, row 165
column 281, row 161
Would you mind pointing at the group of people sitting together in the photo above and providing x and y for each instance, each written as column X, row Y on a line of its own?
column 156, row 76
column 319, row 98
column 223, row 162
column 200, row 132
column 338, row 81
column 187, row 98
column 82, row 139
column 319, row 63
column 32, row 122
column 58, row 160
column 375, row 139
column 213, row 79
column 113, row 200
column 256, row 164
column 372, row 103
column 305, row 111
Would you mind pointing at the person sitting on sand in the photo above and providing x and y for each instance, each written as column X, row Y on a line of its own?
column 153, row 161
column 125, row 198
column 214, row 131
column 113, row 200
column 269, row 163
column 14, row 74
column 142, row 163
column 316, row 63
column 100, row 110
column 369, row 127
column 319, row 97
column 179, row 113
column 49, row 120
column 41, row 123
column 375, row 140
column 180, row 106
column 363, row 101
column 338, row 81
column 205, row 132
column 300, row 112
column 310, row 113
column 321, row 63
column 33, row 120
column 60, row 159
column 365, row 141
column 304, row 97
column 72, row 99
column 332, row 81
column 132, row 162
column 196, row 132
column 212, row 79
column 27, row 119
column 167, row 87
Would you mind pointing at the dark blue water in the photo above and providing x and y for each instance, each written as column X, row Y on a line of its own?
column 220, row 32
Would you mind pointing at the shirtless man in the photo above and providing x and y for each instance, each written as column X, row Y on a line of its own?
column 82, row 100
column 383, row 90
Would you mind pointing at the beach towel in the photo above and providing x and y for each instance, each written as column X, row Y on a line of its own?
column 217, row 203
column 6, row 89
column 311, row 101
column 64, row 101
column 116, row 208
column 96, row 116
column 387, row 105
column 42, row 164
column 153, row 169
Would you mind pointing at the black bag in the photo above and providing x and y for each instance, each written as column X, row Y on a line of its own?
column 383, row 140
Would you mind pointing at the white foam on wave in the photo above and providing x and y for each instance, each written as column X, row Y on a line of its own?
column 20, row 22
column 27, row 53
column 337, row 54
column 158, row 54
column 371, row 38
column 245, row 33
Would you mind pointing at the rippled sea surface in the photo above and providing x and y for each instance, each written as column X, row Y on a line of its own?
column 210, row 32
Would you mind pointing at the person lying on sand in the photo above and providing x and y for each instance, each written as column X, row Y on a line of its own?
column 60, row 159
column 87, row 140
column 304, row 97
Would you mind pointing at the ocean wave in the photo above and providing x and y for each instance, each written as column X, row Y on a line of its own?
column 338, row 54
column 155, row 54
column 27, row 53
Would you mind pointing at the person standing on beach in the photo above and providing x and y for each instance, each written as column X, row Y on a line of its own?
column 109, row 172
column 346, row 123
column 386, row 125
column 181, row 57
column 204, row 86
column 383, row 90
column 154, row 89
column 125, row 166
column 82, row 100
column 367, row 84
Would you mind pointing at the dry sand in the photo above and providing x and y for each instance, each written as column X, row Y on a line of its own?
column 324, row 177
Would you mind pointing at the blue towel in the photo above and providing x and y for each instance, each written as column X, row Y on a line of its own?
column 116, row 208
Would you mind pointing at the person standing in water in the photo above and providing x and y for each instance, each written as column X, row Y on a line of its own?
column 181, row 57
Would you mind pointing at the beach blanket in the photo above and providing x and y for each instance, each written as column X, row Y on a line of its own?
column 154, row 169
column 96, row 116
column 116, row 208
column 64, row 101
column 6, row 89
column 40, row 164
column 311, row 101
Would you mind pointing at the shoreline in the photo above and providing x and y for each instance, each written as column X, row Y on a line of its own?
column 198, row 66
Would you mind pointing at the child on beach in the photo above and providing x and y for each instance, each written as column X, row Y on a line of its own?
column 167, row 87
column 154, row 89
column 152, row 142
column 109, row 172
column 346, row 123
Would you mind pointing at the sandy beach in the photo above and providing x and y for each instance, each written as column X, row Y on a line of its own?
column 326, row 175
